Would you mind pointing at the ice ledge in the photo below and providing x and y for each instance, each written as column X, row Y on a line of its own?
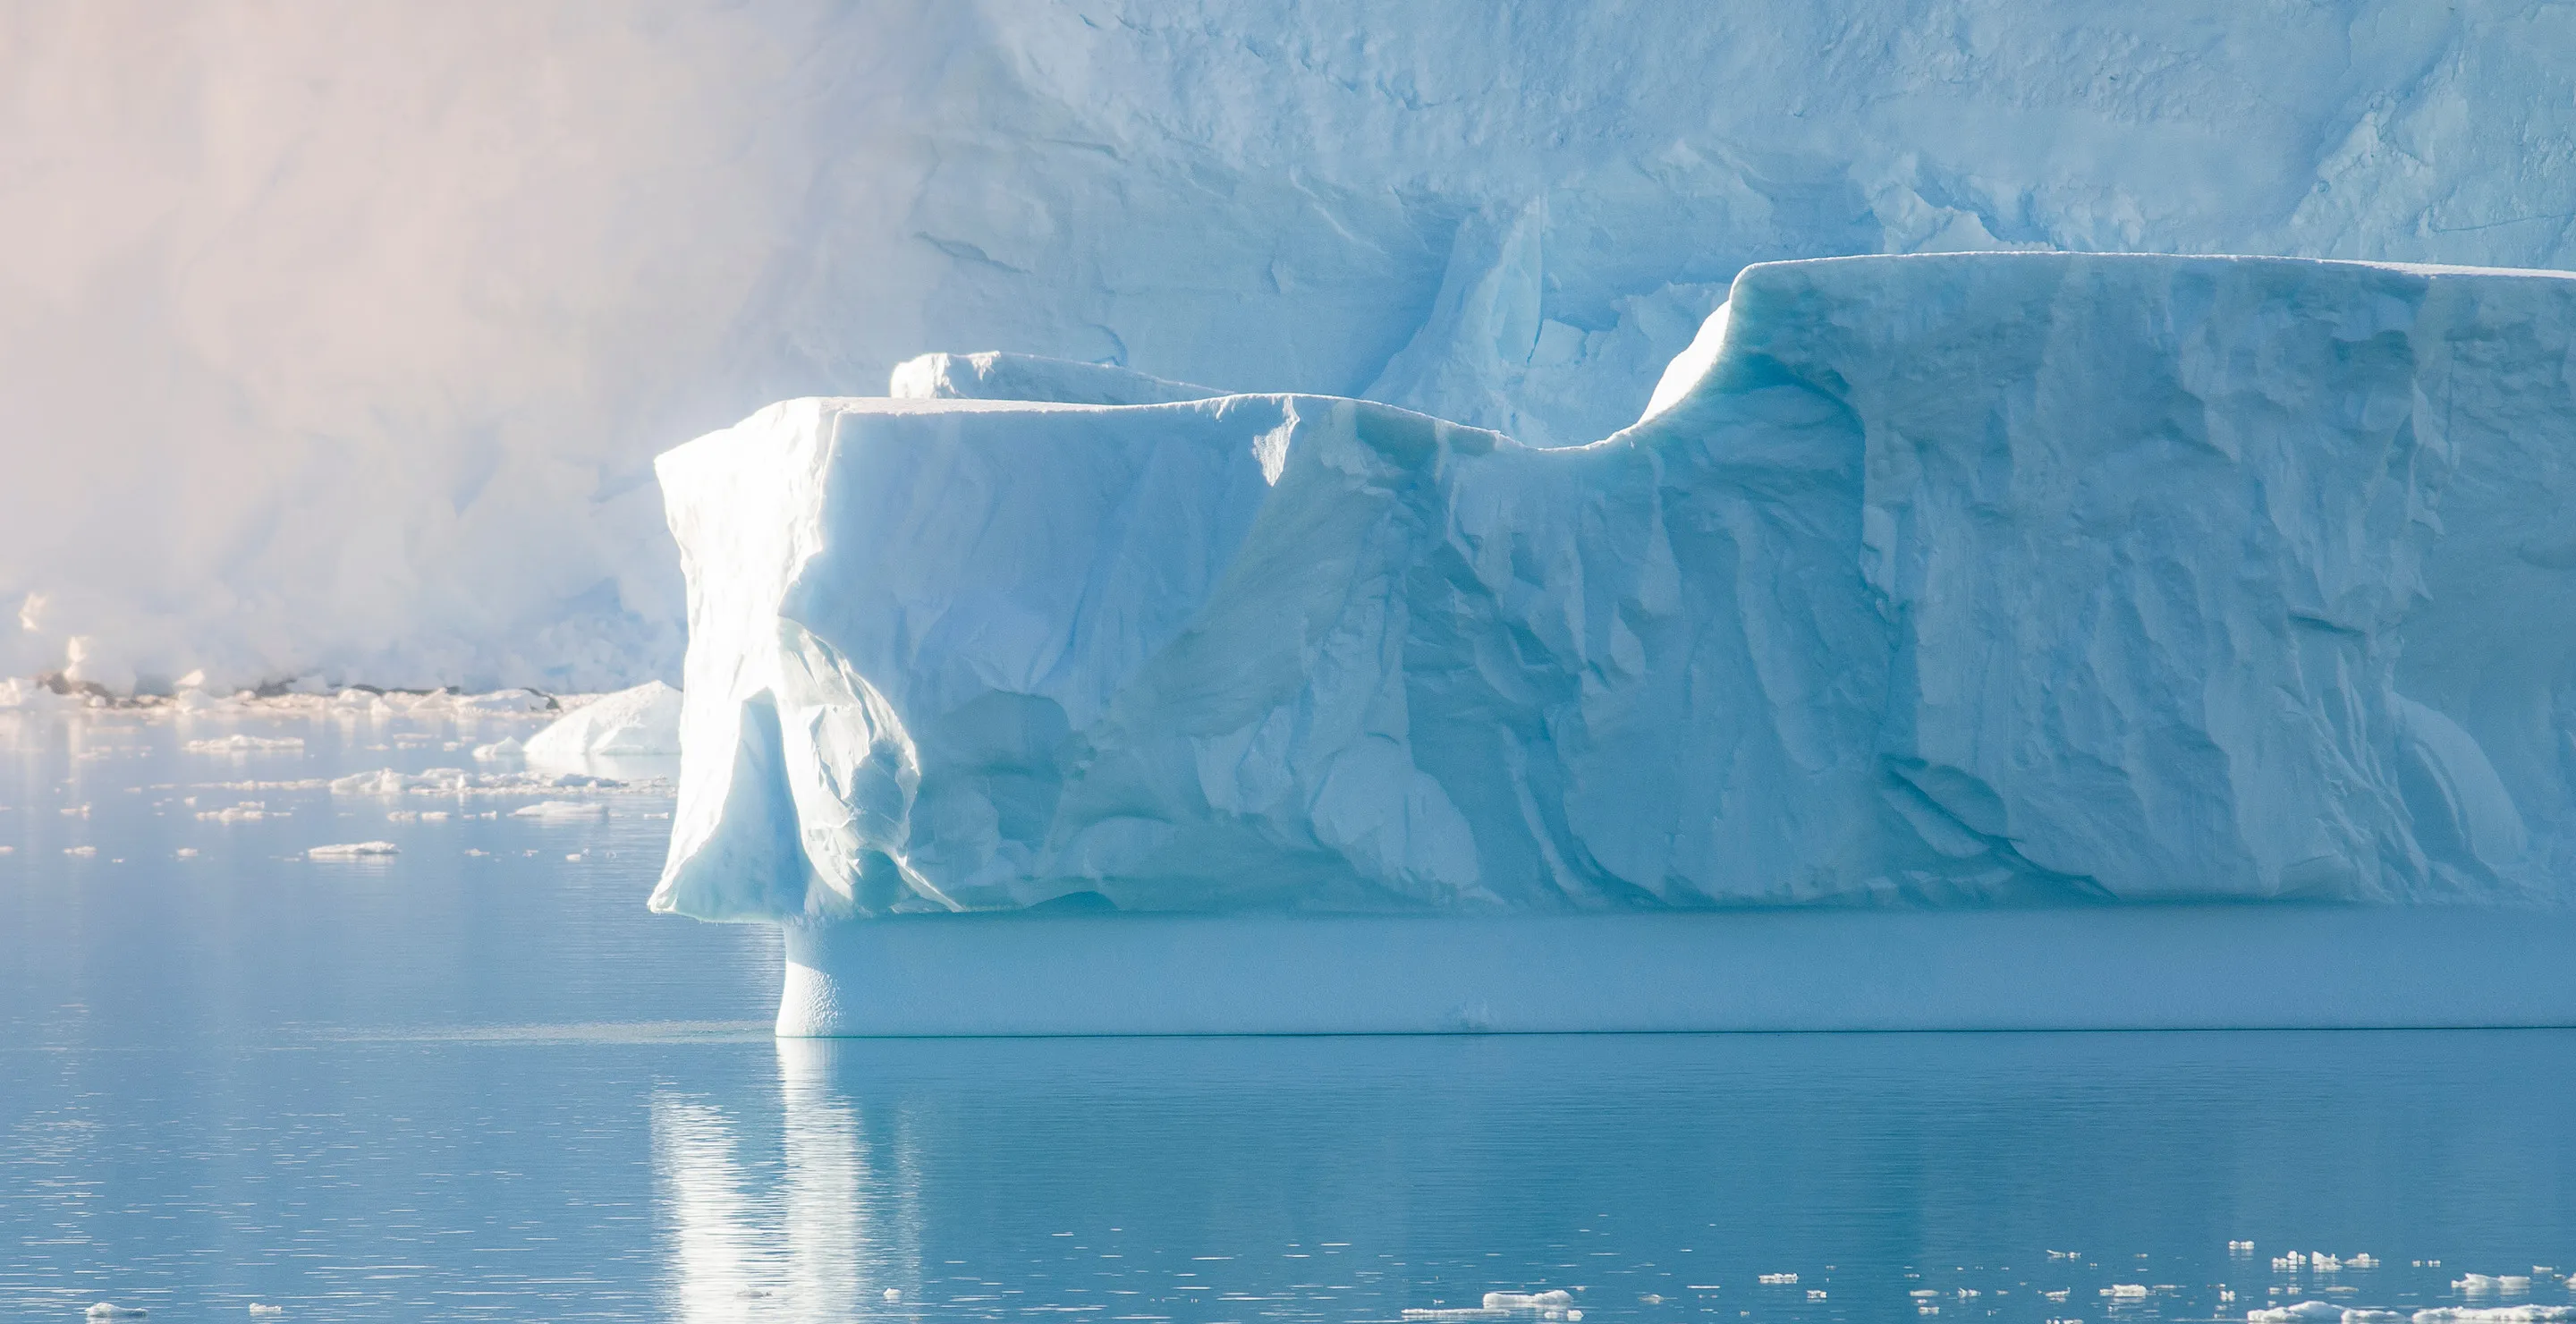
column 2103, row 968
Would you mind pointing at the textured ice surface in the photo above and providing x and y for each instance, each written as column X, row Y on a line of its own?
column 1950, row 579
column 360, row 333
column 642, row 721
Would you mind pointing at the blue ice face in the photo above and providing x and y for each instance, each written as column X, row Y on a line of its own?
column 1955, row 580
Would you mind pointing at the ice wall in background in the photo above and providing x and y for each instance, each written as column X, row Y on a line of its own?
column 341, row 339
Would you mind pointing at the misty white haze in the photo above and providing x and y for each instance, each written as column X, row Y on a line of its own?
column 338, row 341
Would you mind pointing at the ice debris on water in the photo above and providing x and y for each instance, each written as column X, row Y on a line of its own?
column 352, row 850
column 1776, row 1279
column 1551, row 1304
column 111, row 1310
column 1555, row 1298
column 560, row 810
column 506, row 747
column 459, row 783
column 237, row 743
column 257, row 1308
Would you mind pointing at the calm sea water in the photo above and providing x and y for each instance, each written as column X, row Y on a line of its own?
column 445, row 1084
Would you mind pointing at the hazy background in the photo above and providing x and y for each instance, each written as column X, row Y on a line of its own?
column 337, row 339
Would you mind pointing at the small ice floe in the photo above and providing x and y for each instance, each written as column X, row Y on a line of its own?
column 1650, row 1299
column 111, row 1310
column 2065, row 1254
column 84, row 852
column 507, row 747
column 237, row 743
column 2293, row 1260
column 1776, row 1279
column 560, row 810
column 265, row 1311
column 187, row 852
column 2324, row 1312
column 1553, row 1304
column 1815, row 1294
column 2362, row 1261
column 2126, row 1291
column 75, row 811
column 1553, row 1299
column 355, row 850
column 2240, row 1248
column 2496, row 1315
column 894, row 1294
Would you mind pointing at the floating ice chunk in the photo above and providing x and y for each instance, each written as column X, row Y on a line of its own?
column 352, row 850
column 1777, row 1279
column 1554, row 1298
column 83, row 852
column 187, row 852
column 894, row 1294
column 111, row 1310
column 641, row 722
column 561, row 810
column 257, row 1308
column 2496, row 1315
column 2361, row 1262
column 2240, row 1248
column 507, row 747
column 2475, row 1284
column 2125, row 1291
column 2513, row 1284
column 237, row 743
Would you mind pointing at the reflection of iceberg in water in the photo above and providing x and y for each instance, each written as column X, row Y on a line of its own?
column 831, row 1231
column 715, row 1241
column 1330, row 1179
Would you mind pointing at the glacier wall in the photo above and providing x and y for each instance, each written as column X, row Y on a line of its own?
column 1932, row 579
column 343, row 341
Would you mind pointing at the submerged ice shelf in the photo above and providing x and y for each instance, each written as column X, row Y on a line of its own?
column 1957, row 581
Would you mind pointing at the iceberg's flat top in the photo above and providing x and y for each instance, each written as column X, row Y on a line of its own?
column 1952, row 580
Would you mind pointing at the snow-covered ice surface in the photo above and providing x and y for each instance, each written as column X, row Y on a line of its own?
column 360, row 332
column 1947, row 580
column 643, row 722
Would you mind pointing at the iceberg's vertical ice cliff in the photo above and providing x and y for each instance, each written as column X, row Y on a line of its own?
column 1930, row 579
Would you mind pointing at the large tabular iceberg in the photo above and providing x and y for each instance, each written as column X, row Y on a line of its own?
column 1941, row 580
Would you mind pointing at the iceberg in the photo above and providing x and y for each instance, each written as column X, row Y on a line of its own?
column 2029, row 585
column 641, row 722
